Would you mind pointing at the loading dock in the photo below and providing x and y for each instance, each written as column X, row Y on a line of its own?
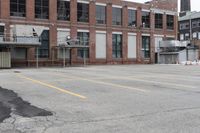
column 8, row 43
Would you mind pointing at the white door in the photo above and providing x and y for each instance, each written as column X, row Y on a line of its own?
column 157, row 42
column 100, row 45
column 132, row 46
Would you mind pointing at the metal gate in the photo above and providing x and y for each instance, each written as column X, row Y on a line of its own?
column 5, row 60
column 168, row 58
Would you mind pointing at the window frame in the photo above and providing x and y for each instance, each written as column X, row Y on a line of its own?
column 116, row 18
column 20, row 8
column 102, row 14
column 44, row 47
column 65, row 10
column 146, row 47
column 83, row 12
column 132, row 19
column 42, row 7
column 2, row 30
column 83, row 38
column 117, row 46
column 158, row 21
column 146, row 23
column 170, row 22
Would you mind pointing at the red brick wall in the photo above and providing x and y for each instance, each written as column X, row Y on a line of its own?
column 73, row 25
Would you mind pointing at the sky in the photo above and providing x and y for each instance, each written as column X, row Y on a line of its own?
column 195, row 4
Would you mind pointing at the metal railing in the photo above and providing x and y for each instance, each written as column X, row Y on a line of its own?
column 174, row 43
column 19, row 39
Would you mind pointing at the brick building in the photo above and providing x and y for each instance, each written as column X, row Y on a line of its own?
column 115, row 31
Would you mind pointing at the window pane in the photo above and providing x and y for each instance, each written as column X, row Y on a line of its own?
column 117, row 46
column 82, row 12
column 83, row 38
column 63, row 10
column 170, row 22
column 42, row 9
column 1, row 30
column 43, row 50
column 18, row 8
column 146, row 46
column 100, row 14
column 131, row 18
column 116, row 16
column 159, row 21
column 146, row 19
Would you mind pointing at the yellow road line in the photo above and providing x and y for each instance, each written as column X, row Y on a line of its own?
column 105, row 83
column 51, row 86
column 114, row 85
column 147, row 81
column 162, row 83
column 150, row 81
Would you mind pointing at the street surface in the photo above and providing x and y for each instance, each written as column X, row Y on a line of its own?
column 101, row 99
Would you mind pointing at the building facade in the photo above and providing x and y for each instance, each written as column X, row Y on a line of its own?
column 115, row 31
column 189, row 28
column 185, row 7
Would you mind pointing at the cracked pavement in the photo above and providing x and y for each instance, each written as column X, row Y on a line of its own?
column 108, row 99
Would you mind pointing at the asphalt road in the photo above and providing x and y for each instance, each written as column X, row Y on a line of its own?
column 102, row 99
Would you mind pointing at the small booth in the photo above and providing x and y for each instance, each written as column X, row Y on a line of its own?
column 173, row 52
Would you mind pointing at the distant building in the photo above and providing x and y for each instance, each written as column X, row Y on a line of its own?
column 189, row 28
column 185, row 7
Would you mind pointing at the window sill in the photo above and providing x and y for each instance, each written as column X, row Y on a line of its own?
column 146, row 28
column 159, row 29
column 116, row 25
column 82, row 58
column 146, row 59
column 100, row 24
column 63, row 20
column 134, row 27
column 18, row 17
column 117, row 59
column 170, row 29
column 40, row 19
column 82, row 22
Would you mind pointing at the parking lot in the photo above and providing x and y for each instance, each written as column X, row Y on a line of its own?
column 103, row 99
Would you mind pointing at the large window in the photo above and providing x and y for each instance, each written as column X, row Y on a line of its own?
column 116, row 16
column 170, row 22
column 18, row 8
column 1, row 30
column 82, row 12
column 83, row 38
column 63, row 10
column 146, row 19
column 158, row 21
column 43, row 50
column 131, row 18
column 184, row 25
column 1, row 33
column 116, row 45
column 100, row 14
column 42, row 9
column 146, row 46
